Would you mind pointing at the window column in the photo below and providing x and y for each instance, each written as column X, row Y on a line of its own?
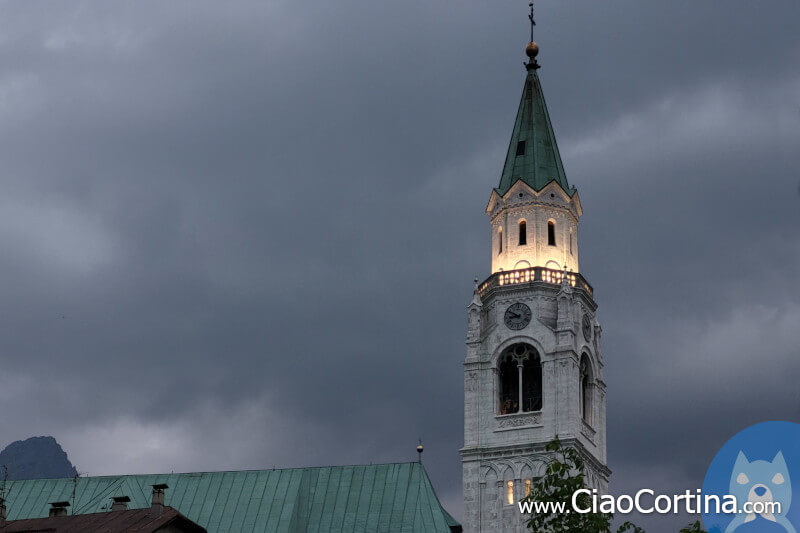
column 520, row 365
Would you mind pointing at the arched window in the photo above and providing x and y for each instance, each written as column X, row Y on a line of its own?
column 551, row 233
column 509, row 491
column 499, row 241
column 586, row 389
column 523, row 233
column 527, row 487
column 520, row 378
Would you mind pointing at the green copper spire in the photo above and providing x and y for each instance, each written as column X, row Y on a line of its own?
column 533, row 153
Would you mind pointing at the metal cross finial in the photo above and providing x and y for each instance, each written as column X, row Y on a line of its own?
column 533, row 22
column 532, row 49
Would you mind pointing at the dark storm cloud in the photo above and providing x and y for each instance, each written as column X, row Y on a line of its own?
column 244, row 235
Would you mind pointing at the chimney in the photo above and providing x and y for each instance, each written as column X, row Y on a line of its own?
column 120, row 503
column 58, row 508
column 158, row 497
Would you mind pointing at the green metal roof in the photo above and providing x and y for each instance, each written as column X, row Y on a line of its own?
column 395, row 497
column 533, row 153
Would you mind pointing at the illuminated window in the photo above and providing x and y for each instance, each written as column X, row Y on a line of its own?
column 510, row 492
column 500, row 241
column 551, row 233
column 527, row 487
column 523, row 233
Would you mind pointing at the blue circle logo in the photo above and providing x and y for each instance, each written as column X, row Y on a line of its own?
column 749, row 485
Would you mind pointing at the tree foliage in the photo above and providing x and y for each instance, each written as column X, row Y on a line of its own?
column 565, row 474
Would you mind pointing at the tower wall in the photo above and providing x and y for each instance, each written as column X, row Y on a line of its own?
column 503, row 448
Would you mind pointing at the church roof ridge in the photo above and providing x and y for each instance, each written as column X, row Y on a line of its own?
column 232, row 471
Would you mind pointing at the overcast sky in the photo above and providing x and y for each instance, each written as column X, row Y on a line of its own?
column 243, row 234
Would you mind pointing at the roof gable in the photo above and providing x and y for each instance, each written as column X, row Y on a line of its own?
column 521, row 192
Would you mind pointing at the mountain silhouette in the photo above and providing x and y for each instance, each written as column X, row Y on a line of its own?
column 36, row 458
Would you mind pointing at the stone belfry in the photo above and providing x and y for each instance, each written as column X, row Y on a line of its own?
column 533, row 369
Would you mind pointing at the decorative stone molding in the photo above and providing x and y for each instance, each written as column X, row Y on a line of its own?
column 518, row 420
column 472, row 381
column 587, row 431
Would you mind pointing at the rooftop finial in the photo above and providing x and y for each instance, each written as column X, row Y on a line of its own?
column 530, row 17
column 532, row 49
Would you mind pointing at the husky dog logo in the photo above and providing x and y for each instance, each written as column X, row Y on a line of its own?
column 762, row 482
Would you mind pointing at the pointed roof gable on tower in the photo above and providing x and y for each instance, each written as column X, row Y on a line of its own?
column 533, row 155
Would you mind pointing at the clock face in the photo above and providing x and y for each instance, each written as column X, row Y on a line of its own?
column 518, row 316
column 587, row 327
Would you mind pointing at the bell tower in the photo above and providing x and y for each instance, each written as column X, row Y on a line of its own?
column 533, row 368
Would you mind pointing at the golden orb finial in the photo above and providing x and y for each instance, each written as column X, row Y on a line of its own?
column 532, row 49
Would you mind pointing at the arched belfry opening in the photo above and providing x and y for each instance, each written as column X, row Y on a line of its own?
column 532, row 384
column 509, row 385
column 519, row 372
